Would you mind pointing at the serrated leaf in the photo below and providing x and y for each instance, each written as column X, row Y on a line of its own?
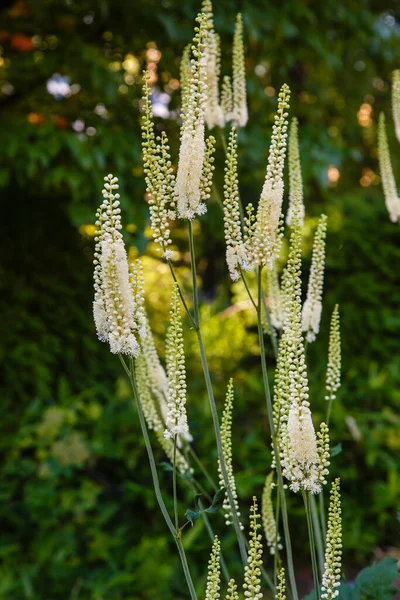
column 217, row 501
column 336, row 450
column 375, row 582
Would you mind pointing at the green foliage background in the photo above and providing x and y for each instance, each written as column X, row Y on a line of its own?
column 79, row 517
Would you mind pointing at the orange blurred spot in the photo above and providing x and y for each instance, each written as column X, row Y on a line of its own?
column 21, row 42
column 36, row 118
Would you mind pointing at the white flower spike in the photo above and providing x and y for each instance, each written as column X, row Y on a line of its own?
column 117, row 306
column 312, row 309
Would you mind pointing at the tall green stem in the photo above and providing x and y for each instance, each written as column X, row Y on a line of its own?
column 154, row 475
column 307, row 505
column 214, row 412
column 322, row 513
column 285, row 519
column 318, row 534
column 174, row 486
column 276, row 553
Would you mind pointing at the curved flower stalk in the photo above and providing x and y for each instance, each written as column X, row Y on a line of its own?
column 252, row 571
column 213, row 111
column 334, row 357
column 240, row 115
column 226, row 99
column 281, row 587
column 304, row 456
column 117, row 307
column 159, row 177
column 193, row 178
column 157, row 379
column 232, row 593
column 152, row 416
column 176, row 421
column 333, row 554
column 226, row 437
column 295, row 178
column 396, row 102
column 312, row 308
column 267, row 228
column 388, row 182
column 268, row 517
column 214, row 572
column 236, row 252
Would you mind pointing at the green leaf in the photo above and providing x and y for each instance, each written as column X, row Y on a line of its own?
column 375, row 582
column 192, row 515
column 217, row 501
column 336, row 450
column 166, row 466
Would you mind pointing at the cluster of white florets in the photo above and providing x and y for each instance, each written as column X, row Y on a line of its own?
column 214, row 572
column 176, row 420
column 396, row 102
column 267, row 233
column 312, row 309
column 252, row 571
column 268, row 516
column 388, row 182
column 334, row 357
column 226, row 439
column 304, row 455
column 333, row 553
column 117, row 306
column 237, row 256
column 239, row 114
column 150, row 405
column 214, row 116
column 304, row 458
column 192, row 149
column 159, row 176
column 295, row 178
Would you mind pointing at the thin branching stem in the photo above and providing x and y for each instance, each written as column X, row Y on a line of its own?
column 307, row 506
column 317, row 534
column 131, row 373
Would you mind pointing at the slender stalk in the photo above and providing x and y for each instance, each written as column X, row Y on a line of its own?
column 174, row 486
column 247, row 288
column 322, row 513
column 154, row 475
column 285, row 519
column 272, row 333
column 307, row 504
column 317, row 534
column 211, row 398
column 328, row 411
column 189, row 314
column 202, row 468
column 276, row 555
